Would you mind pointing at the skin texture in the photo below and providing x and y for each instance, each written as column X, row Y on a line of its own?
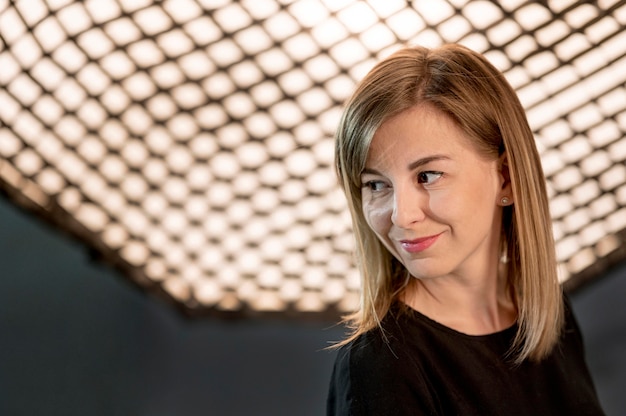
column 436, row 204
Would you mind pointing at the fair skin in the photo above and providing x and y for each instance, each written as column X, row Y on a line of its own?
column 436, row 204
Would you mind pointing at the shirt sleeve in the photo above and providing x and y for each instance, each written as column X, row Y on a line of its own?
column 371, row 378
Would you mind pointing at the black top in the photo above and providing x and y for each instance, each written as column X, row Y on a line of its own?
column 420, row 367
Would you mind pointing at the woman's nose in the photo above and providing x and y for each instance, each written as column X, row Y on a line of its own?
column 408, row 208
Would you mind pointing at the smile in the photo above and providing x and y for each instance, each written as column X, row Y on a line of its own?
column 419, row 244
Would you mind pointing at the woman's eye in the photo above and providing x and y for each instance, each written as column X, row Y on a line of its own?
column 428, row 177
column 375, row 185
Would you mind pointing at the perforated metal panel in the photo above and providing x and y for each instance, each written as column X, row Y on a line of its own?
column 189, row 143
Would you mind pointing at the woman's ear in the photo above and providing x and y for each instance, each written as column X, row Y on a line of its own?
column 505, row 196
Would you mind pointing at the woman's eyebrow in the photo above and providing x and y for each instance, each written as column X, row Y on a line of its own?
column 426, row 160
column 412, row 165
column 370, row 171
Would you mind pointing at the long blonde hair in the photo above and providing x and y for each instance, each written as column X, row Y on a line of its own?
column 466, row 87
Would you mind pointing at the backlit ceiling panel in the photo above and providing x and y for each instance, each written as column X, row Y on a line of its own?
column 189, row 143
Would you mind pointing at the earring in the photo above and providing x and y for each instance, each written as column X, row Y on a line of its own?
column 505, row 201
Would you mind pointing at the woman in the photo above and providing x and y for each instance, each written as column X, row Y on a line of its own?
column 461, row 311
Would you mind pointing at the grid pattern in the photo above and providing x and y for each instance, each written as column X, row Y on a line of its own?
column 189, row 142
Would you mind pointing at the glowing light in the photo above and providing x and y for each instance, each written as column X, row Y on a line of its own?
column 194, row 138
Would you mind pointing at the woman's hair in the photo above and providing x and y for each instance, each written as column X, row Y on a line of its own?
column 465, row 86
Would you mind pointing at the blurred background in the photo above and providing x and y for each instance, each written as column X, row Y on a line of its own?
column 79, row 340
column 173, row 239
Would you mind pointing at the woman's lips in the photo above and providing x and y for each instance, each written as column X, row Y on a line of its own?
column 419, row 244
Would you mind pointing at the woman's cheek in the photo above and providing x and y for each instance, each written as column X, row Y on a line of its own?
column 378, row 216
column 443, row 205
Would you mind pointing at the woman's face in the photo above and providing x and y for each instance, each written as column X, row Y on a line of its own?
column 431, row 199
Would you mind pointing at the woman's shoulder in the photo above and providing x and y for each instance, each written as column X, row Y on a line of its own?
column 380, row 373
column 383, row 348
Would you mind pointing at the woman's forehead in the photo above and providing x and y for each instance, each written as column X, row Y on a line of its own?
column 420, row 130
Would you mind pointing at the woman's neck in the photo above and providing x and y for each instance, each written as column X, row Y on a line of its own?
column 477, row 306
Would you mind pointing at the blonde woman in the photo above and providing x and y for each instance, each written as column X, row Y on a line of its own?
column 461, row 311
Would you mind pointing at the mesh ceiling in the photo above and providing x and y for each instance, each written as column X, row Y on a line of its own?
column 189, row 143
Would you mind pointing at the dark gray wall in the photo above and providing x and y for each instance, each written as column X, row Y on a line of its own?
column 76, row 339
column 601, row 313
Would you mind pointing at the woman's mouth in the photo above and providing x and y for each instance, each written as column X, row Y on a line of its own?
column 419, row 244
